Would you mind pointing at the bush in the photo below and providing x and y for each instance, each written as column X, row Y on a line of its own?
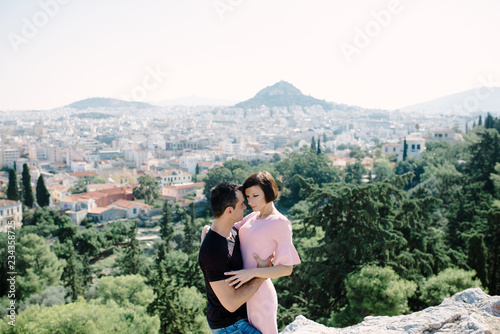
column 374, row 291
column 444, row 285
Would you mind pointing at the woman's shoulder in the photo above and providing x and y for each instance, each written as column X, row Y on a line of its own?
column 245, row 219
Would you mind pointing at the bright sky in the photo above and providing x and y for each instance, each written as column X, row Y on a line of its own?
column 372, row 53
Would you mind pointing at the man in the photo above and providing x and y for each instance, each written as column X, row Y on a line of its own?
column 220, row 253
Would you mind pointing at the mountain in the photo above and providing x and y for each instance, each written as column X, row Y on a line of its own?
column 194, row 101
column 468, row 312
column 282, row 94
column 103, row 102
column 471, row 101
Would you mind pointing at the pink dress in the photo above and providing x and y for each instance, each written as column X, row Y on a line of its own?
column 264, row 237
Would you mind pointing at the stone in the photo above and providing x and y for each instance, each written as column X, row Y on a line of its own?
column 470, row 312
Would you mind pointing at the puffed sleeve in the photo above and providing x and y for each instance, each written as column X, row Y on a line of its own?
column 286, row 253
column 244, row 220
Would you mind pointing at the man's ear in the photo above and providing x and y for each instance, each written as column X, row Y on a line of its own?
column 228, row 210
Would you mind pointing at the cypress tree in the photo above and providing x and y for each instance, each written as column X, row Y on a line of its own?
column 477, row 257
column 12, row 189
column 42, row 194
column 489, row 123
column 319, row 148
column 405, row 150
column 313, row 144
column 28, row 198
column 166, row 225
column 480, row 122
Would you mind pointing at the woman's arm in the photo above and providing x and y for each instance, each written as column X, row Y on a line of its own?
column 240, row 277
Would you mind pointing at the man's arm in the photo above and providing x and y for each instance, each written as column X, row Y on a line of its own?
column 232, row 298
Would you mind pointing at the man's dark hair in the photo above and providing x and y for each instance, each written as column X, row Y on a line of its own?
column 222, row 196
column 266, row 182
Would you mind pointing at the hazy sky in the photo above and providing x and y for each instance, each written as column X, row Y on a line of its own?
column 382, row 54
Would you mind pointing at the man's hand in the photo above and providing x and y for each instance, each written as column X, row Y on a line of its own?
column 240, row 277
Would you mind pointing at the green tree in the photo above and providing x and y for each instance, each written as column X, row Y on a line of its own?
column 216, row 176
column 72, row 273
column 477, row 257
column 124, row 290
column 42, row 194
column 37, row 266
column 405, row 150
column 445, row 284
column 12, row 189
column 355, row 172
column 375, row 291
column 319, row 147
column 28, row 198
column 383, row 170
column 309, row 165
column 483, row 156
column 313, row 144
column 348, row 226
column 82, row 317
column 148, row 189
column 130, row 263
column 166, row 225
column 178, row 304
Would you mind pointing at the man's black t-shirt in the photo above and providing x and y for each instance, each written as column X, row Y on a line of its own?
column 215, row 259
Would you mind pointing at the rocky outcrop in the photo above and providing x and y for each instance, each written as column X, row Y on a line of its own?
column 469, row 311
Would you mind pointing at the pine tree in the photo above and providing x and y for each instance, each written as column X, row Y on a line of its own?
column 42, row 194
column 480, row 122
column 130, row 263
column 196, row 172
column 189, row 230
column 489, row 123
column 12, row 189
column 313, row 144
column 405, row 150
column 166, row 225
column 28, row 197
column 477, row 257
column 319, row 147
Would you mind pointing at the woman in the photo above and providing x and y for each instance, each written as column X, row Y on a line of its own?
column 263, row 233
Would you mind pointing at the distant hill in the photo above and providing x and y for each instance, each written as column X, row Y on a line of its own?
column 282, row 94
column 195, row 101
column 103, row 102
column 466, row 103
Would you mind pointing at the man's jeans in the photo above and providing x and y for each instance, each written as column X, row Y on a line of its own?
column 239, row 327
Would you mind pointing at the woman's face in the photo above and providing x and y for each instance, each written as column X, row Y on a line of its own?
column 256, row 198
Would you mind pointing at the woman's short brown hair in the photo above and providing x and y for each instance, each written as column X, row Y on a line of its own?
column 266, row 182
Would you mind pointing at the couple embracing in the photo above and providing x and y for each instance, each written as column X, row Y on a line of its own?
column 239, row 256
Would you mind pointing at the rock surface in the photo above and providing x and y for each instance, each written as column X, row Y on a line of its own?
column 469, row 311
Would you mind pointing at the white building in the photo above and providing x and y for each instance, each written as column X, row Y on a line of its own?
column 414, row 147
column 10, row 211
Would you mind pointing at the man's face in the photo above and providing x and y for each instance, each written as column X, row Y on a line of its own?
column 240, row 207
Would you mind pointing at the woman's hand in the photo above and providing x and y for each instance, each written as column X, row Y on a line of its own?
column 240, row 277
column 204, row 231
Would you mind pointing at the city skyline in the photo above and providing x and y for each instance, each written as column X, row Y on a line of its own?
column 375, row 54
